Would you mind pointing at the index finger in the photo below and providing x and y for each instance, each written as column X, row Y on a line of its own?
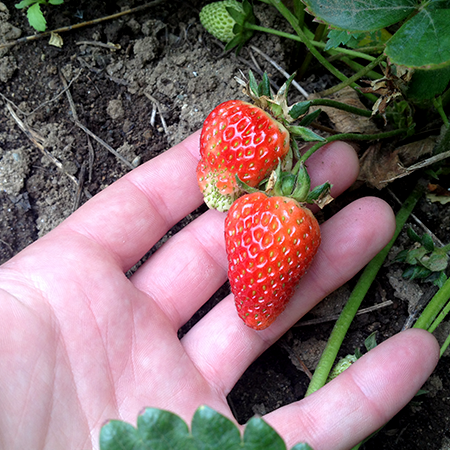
column 132, row 214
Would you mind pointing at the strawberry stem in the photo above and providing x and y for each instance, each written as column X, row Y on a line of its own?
column 352, row 136
column 357, row 296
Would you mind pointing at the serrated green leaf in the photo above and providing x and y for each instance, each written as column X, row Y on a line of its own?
column 118, row 435
column 260, row 435
column 414, row 272
column 415, row 255
column 301, row 446
column 163, row 430
column 436, row 262
column 24, row 4
column 36, row 18
column 426, row 84
column 212, row 430
column 337, row 38
column 56, row 2
column 423, row 42
column 361, row 15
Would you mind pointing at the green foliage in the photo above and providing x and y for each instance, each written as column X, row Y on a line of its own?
column 425, row 260
column 422, row 40
column 162, row 430
column 34, row 13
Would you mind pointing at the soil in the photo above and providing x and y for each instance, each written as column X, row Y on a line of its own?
column 149, row 92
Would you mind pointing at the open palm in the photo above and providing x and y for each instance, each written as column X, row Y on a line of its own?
column 81, row 343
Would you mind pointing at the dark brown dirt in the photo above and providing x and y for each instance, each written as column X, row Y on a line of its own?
column 166, row 55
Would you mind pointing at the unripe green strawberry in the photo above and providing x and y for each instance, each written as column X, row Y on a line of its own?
column 215, row 18
column 270, row 243
column 238, row 139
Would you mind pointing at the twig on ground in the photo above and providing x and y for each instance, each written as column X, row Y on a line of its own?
column 369, row 309
column 108, row 45
column 158, row 106
column 102, row 142
column 75, row 116
column 38, row 141
column 42, row 104
column 81, row 176
column 280, row 69
column 80, row 25
column 294, row 355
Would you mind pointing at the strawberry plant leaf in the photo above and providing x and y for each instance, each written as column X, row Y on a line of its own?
column 211, row 430
column 360, row 15
column 24, row 4
column 156, row 429
column 423, row 42
column 426, row 84
column 260, row 435
column 119, row 435
column 36, row 18
column 56, row 2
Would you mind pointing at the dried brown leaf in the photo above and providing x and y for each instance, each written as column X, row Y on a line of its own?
column 344, row 121
column 379, row 166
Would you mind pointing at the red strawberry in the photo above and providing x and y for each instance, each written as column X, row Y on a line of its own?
column 270, row 242
column 238, row 139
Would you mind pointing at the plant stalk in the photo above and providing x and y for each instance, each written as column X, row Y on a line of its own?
column 435, row 305
column 352, row 136
column 357, row 296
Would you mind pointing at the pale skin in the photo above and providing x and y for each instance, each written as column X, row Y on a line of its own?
column 80, row 343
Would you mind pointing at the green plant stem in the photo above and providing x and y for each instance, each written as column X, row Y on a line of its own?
column 442, row 315
column 293, row 37
column 350, row 81
column 437, row 103
column 359, row 292
column 299, row 11
column 444, row 346
column 435, row 305
column 317, row 38
column 284, row 11
column 339, row 105
column 352, row 136
column 357, row 67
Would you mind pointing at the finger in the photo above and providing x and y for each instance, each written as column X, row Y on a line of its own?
column 363, row 398
column 191, row 266
column 131, row 215
column 221, row 342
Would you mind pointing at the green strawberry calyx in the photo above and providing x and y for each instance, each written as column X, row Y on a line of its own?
column 295, row 184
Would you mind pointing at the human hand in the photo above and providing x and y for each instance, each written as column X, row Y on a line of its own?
column 81, row 343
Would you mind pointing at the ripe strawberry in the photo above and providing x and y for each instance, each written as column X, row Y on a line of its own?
column 241, row 142
column 238, row 139
column 270, row 242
